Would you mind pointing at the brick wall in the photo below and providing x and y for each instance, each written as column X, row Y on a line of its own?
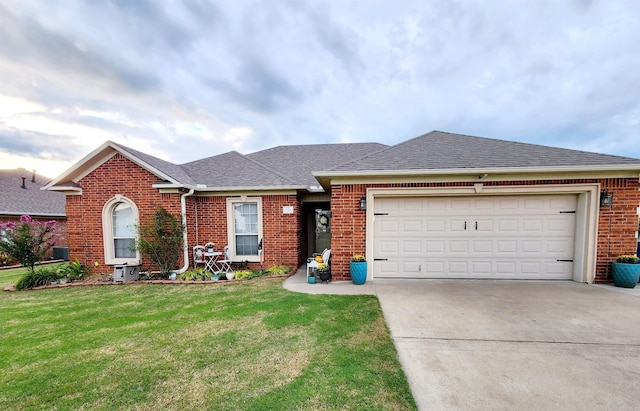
column 117, row 175
column 282, row 233
column 206, row 216
column 616, row 227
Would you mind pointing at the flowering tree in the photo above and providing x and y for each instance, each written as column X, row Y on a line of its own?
column 28, row 241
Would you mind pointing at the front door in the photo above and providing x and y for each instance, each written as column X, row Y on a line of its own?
column 322, row 230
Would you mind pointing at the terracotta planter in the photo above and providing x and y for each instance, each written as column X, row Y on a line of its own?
column 625, row 275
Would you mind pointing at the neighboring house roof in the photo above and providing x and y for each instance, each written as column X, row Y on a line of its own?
column 31, row 200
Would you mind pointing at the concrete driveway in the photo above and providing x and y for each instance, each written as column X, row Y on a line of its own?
column 525, row 345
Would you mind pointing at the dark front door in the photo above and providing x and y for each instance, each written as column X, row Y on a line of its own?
column 322, row 229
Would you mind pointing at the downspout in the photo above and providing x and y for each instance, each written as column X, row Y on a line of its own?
column 183, row 209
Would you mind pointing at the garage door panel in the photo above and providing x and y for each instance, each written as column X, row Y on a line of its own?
column 516, row 237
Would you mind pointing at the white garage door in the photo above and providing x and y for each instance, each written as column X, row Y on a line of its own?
column 501, row 237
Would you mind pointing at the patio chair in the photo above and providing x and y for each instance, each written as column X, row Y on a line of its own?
column 225, row 262
column 313, row 264
column 198, row 256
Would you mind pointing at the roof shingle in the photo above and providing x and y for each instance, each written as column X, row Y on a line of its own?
column 31, row 200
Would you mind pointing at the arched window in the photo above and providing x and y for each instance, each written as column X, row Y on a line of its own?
column 119, row 219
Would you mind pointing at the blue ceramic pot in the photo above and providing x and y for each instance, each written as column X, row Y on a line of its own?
column 626, row 275
column 358, row 272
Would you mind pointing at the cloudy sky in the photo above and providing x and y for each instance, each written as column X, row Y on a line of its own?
column 183, row 80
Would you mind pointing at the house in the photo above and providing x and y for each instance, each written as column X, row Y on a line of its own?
column 22, row 194
column 441, row 205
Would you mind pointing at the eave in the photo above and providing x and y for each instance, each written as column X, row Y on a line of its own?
column 327, row 178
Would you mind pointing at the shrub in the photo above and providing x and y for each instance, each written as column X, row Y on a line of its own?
column 279, row 270
column 197, row 274
column 242, row 274
column 28, row 241
column 160, row 239
column 37, row 278
column 74, row 271
column 5, row 259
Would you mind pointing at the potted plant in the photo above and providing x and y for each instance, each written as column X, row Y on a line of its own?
column 311, row 278
column 626, row 271
column 358, row 268
column 209, row 246
column 324, row 272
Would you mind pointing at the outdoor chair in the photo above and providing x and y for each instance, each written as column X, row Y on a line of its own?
column 198, row 256
column 225, row 262
column 313, row 264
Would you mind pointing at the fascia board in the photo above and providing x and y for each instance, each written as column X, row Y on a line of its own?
column 492, row 174
column 98, row 157
column 633, row 168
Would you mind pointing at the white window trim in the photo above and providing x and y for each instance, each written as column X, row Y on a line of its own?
column 107, row 231
column 231, row 227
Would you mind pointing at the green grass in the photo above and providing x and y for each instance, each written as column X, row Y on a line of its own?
column 243, row 346
column 11, row 276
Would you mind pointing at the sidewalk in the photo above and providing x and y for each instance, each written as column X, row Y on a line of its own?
column 298, row 283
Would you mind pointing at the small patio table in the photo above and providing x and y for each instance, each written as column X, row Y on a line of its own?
column 211, row 261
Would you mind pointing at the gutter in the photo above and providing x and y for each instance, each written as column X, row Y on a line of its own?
column 183, row 210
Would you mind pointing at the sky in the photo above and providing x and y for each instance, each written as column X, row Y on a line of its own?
column 184, row 80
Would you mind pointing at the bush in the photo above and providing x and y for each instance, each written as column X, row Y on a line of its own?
column 195, row 275
column 37, row 278
column 74, row 271
column 279, row 270
column 28, row 241
column 5, row 259
column 160, row 239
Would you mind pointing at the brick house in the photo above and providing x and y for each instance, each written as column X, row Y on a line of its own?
column 439, row 205
column 22, row 195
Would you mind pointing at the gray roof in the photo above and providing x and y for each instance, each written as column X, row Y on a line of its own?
column 299, row 161
column 15, row 200
column 233, row 169
column 172, row 170
column 439, row 150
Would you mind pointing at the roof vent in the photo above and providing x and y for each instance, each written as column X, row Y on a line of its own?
column 33, row 176
column 23, row 180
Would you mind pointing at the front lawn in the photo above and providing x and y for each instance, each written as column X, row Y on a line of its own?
column 248, row 345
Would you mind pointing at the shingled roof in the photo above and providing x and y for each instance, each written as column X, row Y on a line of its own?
column 31, row 200
column 299, row 161
column 307, row 166
column 439, row 150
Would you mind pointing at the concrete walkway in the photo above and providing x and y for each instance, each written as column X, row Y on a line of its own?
column 474, row 344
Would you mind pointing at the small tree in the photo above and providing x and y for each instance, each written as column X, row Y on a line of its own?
column 160, row 239
column 28, row 241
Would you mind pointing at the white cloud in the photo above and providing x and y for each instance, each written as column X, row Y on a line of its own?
column 174, row 77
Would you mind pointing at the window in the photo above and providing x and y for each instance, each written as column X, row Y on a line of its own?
column 245, row 227
column 123, row 231
column 119, row 219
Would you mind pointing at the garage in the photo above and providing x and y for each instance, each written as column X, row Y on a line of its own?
column 475, row 236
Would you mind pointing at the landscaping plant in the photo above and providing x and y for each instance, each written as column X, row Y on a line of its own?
column 160, row 239
column 28, row 241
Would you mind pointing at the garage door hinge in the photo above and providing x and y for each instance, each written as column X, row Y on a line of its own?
column 567, row 212
column 565, row 261
column 380, row 213
column 380, row 259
